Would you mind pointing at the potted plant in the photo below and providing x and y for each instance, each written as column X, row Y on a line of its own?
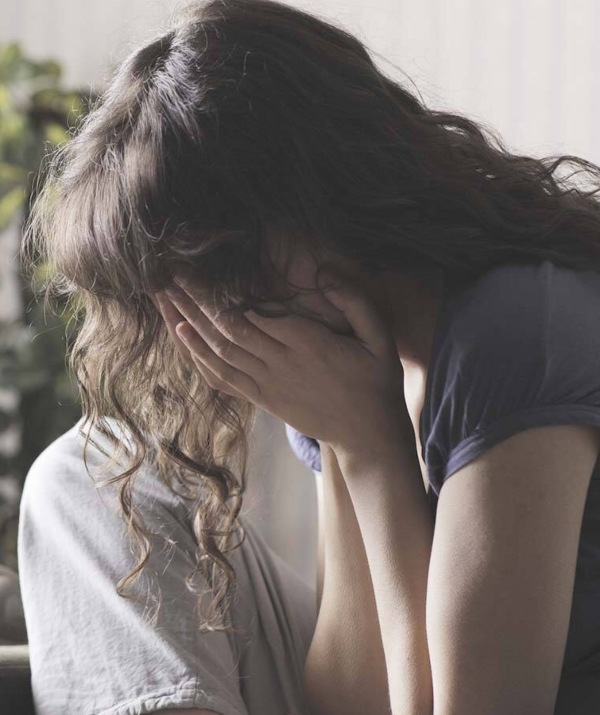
column 38, row 400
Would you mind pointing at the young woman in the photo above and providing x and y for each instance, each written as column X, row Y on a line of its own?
column 229, row 162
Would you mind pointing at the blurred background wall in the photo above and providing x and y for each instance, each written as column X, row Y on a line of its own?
column 527, row 68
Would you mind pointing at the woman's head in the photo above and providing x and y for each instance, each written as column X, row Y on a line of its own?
column 246, row 129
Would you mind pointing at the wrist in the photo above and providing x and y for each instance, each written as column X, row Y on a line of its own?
column 393, row 439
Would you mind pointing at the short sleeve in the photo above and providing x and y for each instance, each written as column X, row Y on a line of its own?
column 520, row 349
column 93, row 652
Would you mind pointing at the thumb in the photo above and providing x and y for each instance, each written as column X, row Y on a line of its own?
column 358, row 309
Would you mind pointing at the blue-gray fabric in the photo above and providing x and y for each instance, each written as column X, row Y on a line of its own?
column 514, row 348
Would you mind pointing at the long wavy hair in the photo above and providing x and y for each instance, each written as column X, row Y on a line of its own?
column 248, row 120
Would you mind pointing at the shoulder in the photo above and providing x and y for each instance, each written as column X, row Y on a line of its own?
column 56, row 476
column 517, row 347
column 523, row 304
column 71, row 476
column 504, row 303
column 61, row 462
column 494, row 326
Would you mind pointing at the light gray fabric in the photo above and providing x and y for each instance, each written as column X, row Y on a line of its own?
column 94, row 653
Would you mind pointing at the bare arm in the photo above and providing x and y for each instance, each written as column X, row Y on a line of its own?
column 345, row 671
column 384, row 480
column 321, row 538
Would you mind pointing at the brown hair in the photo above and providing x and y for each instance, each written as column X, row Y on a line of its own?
column 249, row 119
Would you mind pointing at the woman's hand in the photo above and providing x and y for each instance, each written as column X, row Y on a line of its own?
column 172, row 317
column 338, row 389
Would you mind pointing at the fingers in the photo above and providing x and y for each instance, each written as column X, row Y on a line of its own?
column 235, row 328
column 233, row 369
column 290, row 331
column 206, row 334
column 267, row 338
column 171, row 316
column 214, row 381
column 219, row 374
column 359, row 310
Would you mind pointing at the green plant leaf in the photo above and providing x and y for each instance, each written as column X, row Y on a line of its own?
column 11, row 174
column 10, row 204
column 34, row 111
column 55, row 133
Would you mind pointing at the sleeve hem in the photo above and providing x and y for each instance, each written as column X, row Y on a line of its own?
column 472, row 446
column 181, row 696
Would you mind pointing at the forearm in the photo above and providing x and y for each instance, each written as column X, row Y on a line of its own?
column 345, row 667
column 386, row 487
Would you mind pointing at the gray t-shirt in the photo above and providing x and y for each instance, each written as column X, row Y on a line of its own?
column 94, row 653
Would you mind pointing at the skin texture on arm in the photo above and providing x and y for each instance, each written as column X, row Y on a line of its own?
column 344, row 672
column 320, row 538
column 502, row 572
column 385, row 484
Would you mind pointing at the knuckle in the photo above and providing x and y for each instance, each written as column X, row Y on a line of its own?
column 220, row 348
column 226, row 332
